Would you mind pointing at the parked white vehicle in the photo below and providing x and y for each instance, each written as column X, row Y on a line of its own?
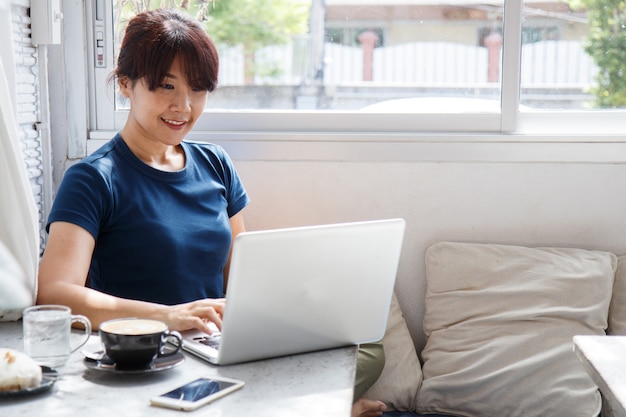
column 437, row 105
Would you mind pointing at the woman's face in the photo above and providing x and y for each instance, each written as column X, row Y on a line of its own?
column 168, row 113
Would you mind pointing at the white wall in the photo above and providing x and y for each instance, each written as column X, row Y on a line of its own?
column 528, row 203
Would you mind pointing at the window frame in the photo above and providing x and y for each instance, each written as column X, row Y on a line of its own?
column 260, row 131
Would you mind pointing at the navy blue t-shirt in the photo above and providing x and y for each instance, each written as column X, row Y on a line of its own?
column 160, row 236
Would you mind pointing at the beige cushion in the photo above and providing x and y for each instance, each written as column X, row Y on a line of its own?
column 617, row 311
column 499, row 323
column 401, row 377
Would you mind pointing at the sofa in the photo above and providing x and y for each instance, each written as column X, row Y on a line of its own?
column 498, row 327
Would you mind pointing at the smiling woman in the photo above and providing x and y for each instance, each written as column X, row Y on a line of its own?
column 143, row 227
column 161, row 117
column 166, row 88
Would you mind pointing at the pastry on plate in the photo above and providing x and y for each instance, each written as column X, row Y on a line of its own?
column 18, row 371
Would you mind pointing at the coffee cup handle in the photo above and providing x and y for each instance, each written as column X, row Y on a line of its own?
column 79, row 318
column 171, row 335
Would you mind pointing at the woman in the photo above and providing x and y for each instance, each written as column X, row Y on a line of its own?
column 143, row 227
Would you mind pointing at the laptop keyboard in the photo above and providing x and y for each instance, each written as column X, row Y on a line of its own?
column 210, row 340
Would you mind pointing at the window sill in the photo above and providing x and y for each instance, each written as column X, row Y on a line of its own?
column 543, row 137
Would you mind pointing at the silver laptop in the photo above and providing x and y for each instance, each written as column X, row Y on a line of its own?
column 305, row 289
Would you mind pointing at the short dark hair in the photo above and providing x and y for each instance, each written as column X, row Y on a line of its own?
column 155, row 37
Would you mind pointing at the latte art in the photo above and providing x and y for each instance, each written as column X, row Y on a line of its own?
column 133, row 326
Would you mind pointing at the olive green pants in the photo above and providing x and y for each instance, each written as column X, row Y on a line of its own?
column 370, row 361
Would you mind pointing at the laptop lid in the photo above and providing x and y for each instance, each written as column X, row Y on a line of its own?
column 303, row 289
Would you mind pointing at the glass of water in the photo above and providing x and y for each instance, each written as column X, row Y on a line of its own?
column 47, row 330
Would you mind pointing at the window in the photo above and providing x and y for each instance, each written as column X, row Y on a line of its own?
column 557, row 73
column 377, row 66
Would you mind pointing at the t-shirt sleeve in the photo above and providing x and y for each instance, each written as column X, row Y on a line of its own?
column 82, row 199
column 236, row 194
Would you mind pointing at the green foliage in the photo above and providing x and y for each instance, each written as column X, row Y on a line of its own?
column 252, row 23
column 256, row 23
column 606, row 44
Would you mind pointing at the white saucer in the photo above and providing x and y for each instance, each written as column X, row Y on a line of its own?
column 160, row 364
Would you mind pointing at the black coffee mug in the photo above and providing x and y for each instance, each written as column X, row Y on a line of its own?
column 134, row 343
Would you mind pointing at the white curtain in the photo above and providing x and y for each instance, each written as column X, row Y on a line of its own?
column 19, row 226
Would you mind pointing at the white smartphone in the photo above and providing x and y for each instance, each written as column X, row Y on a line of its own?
column 197, row 393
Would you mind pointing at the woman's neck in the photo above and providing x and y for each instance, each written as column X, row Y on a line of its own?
column 158, row 155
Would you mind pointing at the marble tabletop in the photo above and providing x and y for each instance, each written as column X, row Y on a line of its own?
column 313, row 384
column 604, row 358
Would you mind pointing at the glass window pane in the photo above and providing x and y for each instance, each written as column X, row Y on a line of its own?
column 345, row 55
column 558, row 71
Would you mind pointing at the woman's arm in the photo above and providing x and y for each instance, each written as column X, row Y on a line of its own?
column 63, row 273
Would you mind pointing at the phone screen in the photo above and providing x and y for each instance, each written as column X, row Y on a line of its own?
column 198, row 389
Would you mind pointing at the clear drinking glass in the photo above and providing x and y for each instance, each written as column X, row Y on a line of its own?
column 47, row 330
